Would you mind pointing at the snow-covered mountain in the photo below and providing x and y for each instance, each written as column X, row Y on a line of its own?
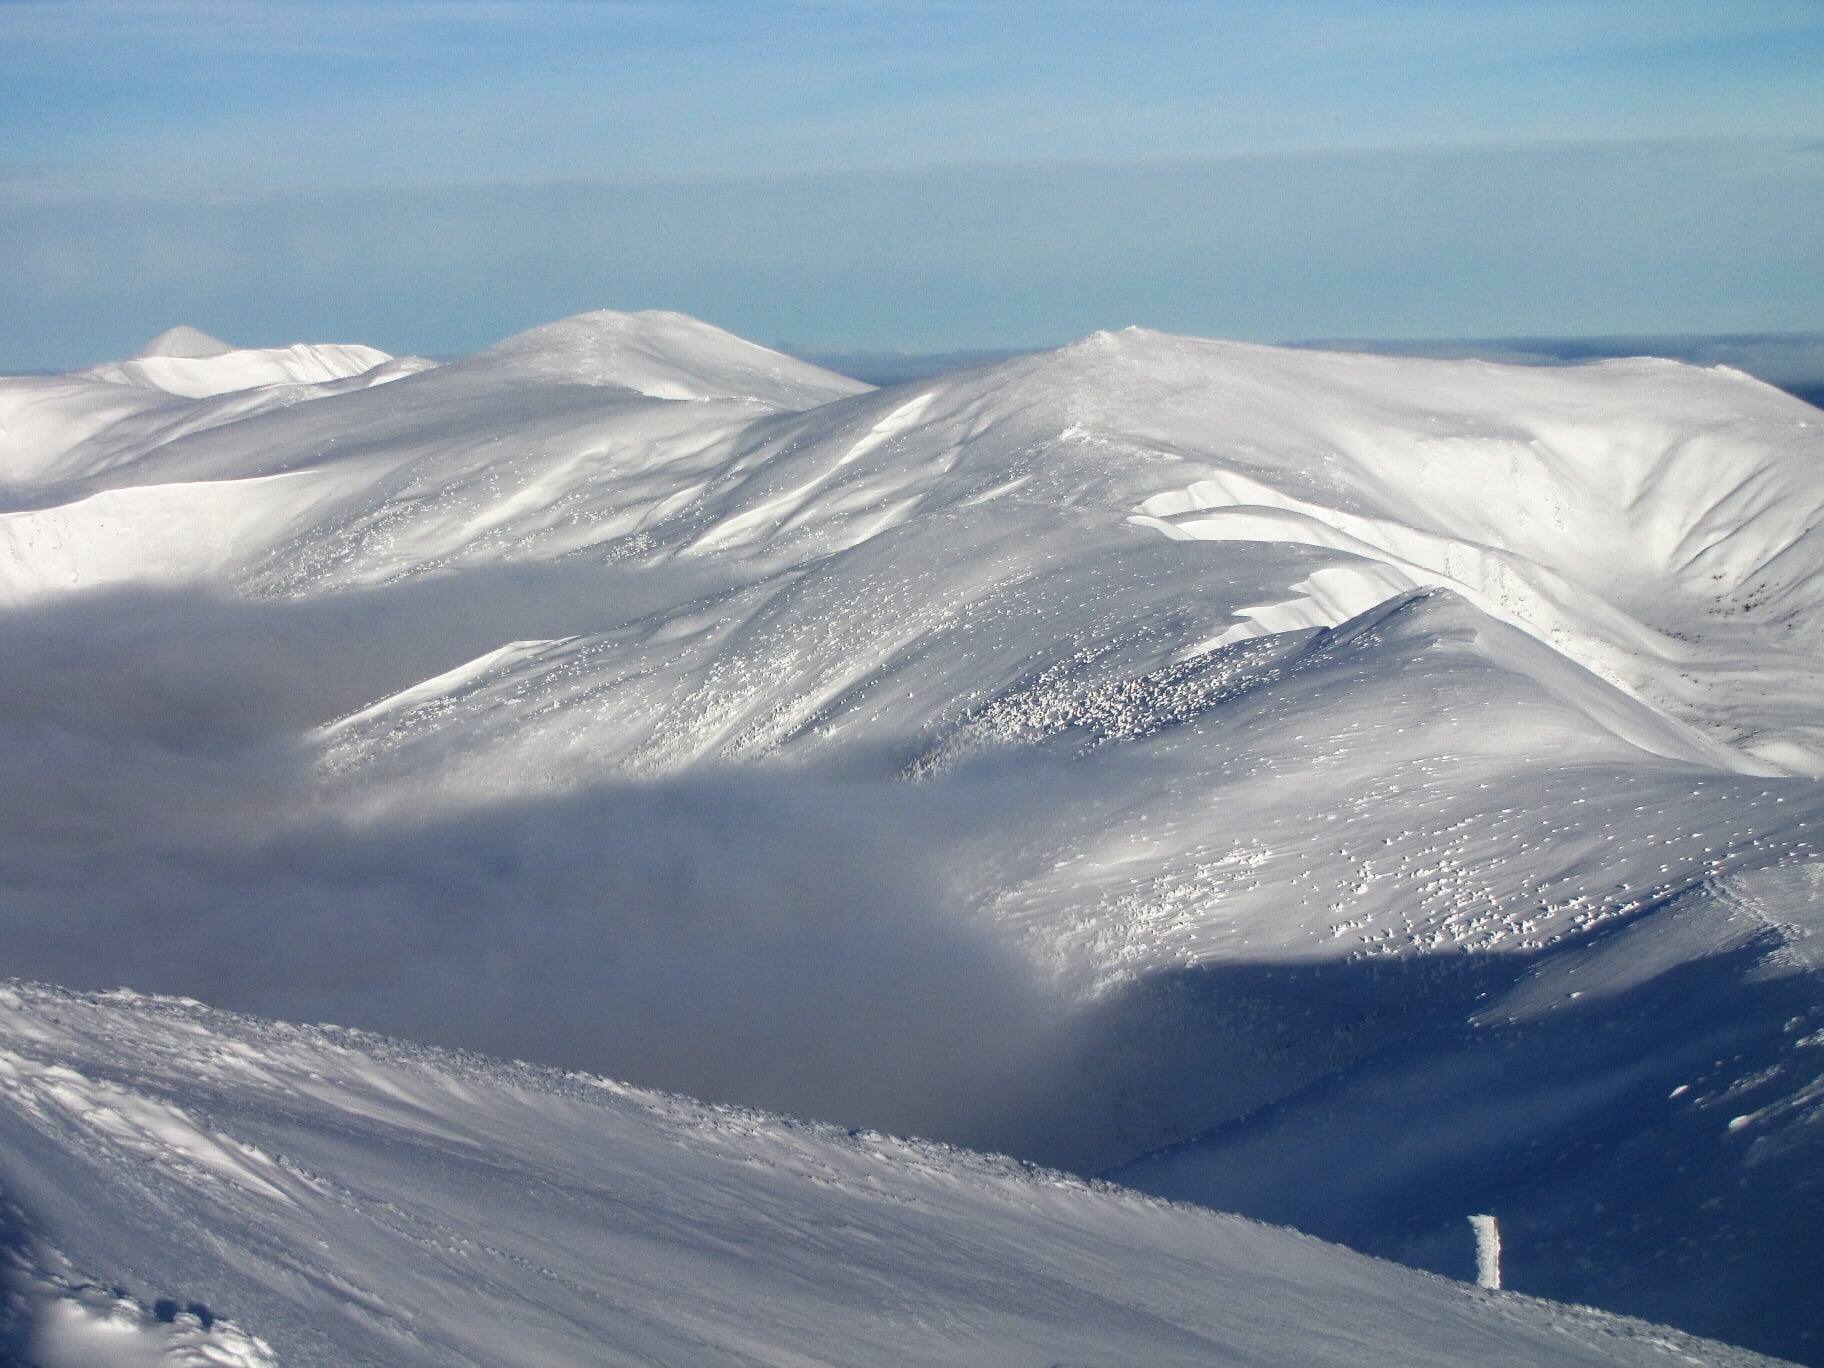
column 1356, row 791
column 188, row 362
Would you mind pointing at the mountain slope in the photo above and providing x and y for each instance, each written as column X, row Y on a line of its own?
column 1156, row 744
column 318, row 1196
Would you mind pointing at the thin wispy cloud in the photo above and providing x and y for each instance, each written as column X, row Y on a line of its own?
column 1594, row 238
column 902, row 173
column 335, row 93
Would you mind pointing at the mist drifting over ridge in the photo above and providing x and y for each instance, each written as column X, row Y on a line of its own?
column 1003, row 831
column 1152, row 743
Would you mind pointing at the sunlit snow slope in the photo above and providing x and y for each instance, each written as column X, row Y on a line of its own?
column 1357, row 790
column 190, row 363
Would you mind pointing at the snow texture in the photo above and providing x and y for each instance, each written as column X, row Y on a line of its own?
column 1355, row 791
column 345, row 1199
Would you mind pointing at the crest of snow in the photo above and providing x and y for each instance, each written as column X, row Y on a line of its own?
column 43, row 419
column 1621, row 512
column 663, row 355
column 194, row 365
column 433, row 694
column 1326, row 598
column 183, row 341
column 101, row 541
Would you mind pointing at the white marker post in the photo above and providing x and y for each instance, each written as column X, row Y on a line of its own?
column 1488, row 1252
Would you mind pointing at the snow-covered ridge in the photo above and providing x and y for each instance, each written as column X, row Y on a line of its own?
column 187, row 362
column 1655, row 523
column 284, row 1195
column 1152, row 742
column 666, row 356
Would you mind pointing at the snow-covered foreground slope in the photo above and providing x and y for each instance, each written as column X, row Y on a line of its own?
column 282, row 1195
column 1377, row 790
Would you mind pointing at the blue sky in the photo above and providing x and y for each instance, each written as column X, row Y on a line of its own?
column 917, row 173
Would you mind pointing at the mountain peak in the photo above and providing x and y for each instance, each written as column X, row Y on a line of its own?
column 184, row 341
column 668, row 356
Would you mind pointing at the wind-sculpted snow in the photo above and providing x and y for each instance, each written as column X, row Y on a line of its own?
column 1152, row 743
column 192, row 364
column 340, row 1198
column 201, row 377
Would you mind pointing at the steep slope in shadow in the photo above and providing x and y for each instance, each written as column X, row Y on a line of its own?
column 1642, row 1114
column 17, row 1321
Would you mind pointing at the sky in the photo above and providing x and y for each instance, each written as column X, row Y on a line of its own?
column 927, row 174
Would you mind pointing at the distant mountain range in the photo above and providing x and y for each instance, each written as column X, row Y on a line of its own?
column 1792, row 361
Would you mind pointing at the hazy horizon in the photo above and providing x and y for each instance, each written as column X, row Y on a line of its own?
column 920, row 175
column 1791, row 361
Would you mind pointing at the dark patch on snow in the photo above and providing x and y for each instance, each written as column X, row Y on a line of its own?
column 1606, row 1136
column 16, row 1308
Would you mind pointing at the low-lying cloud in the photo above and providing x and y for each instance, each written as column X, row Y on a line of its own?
column 778, row 941
column 793, row 939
